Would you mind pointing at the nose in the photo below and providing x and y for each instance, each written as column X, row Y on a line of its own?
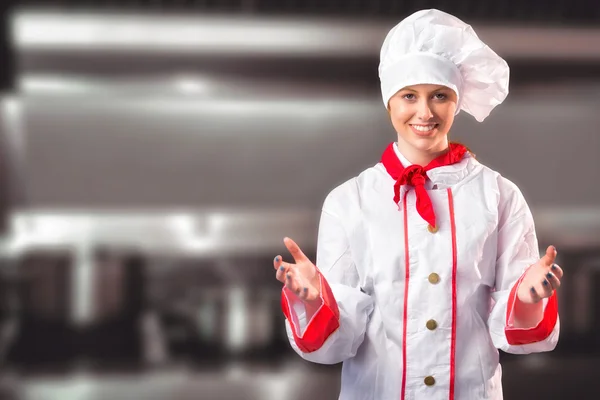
column 424, row 111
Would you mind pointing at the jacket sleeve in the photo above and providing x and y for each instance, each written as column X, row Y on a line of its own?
column 517, row 249
column 336, row 330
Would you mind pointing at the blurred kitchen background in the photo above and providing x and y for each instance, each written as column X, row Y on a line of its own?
column 153, row 154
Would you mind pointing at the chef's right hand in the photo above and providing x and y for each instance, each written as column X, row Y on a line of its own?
column 302, row 277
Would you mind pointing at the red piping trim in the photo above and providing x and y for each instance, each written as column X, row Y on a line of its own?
column 404, row 314
column 454, row 267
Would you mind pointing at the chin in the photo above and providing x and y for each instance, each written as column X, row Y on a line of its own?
column 426, row 144
column 425, row 147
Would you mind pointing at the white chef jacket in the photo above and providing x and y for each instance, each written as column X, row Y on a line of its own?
column 415, row 314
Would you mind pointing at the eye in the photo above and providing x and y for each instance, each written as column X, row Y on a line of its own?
column 408, row 96
column 440, row 96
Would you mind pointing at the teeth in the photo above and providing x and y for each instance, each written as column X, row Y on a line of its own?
column 424, row 128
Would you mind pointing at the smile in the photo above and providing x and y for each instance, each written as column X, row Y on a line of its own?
column 424, row 128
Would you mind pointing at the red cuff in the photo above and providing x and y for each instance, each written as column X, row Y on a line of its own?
column 519, row 336
column 323, row 323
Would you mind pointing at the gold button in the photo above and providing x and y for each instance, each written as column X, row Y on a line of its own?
column 431, row 324
column 434, row 278
column 429, row 380
column 432, row 229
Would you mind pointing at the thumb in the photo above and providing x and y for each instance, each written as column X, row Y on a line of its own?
column 550, row 256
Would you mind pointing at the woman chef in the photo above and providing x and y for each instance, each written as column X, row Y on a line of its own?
column 428, row 262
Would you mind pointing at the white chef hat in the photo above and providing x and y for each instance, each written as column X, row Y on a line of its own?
column 434, row 47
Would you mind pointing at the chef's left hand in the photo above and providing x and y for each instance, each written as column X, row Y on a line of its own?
column 541, row 279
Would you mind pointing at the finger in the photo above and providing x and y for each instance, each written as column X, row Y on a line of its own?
column 550, row 256
column 277, row 261
column 544, row 289
column 292, row 282
column 534, row 294
column 302, row 290
column 298, row 287
column 556, row 270
column 554, row 281
column 294, row 250
column 308, row 292
column 289, row 280
column 283, row 269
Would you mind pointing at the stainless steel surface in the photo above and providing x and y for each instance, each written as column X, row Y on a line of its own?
column 239, row 35
column 221, row 233
column 289, row 380
column 571, row 228
column 255, row 152
column 205, row 233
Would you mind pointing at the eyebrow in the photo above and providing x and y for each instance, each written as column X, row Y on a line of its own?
column 432, row 91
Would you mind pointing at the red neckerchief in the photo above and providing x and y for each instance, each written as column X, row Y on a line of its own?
column 415, row 175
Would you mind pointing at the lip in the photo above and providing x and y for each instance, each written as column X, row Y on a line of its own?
column 424, row 134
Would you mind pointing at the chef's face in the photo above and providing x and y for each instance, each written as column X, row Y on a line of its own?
column 422, row 116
